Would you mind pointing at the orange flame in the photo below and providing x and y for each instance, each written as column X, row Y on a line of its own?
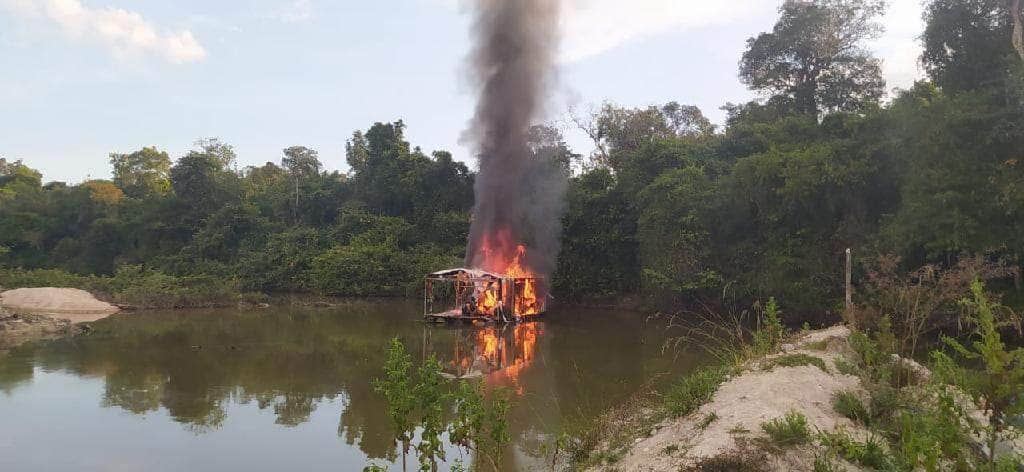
column 527, row 301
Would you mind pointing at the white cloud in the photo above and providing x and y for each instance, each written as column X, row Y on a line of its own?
column 125, row 33
column 591, row 27
column 295, row 11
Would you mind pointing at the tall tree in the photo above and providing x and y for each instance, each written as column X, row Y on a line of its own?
column 143, row 172
column 814, row 59
column 968, row 43
column 224, row 153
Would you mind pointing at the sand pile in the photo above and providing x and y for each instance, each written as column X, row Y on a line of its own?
column 745, row 401
column 72, row 304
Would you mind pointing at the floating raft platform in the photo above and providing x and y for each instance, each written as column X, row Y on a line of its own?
column 454, row 316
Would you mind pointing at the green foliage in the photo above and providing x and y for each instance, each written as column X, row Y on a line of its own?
column 476, row 422
column 480, row 424
column 133, row 285
column 431, row 399
column 870, row 453
column 794, row 360
column 202, row 224
column 933, row 437
column 848, row 404
column 694, row 390
column 770, row 330
column 397, row 389
column 789, row 430
column 991, row 374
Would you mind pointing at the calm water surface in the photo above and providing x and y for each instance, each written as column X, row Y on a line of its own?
column 289, row 388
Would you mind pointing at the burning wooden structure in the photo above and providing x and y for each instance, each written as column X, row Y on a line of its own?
column 478, row 295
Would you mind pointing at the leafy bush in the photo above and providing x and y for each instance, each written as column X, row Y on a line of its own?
column 921, row 302
column 694, row 390
column 992, row 375
column 133, row 285
column 788, row 430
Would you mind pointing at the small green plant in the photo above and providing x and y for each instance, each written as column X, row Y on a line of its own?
column 738, row 429
column 694, row 390
column 848, row 404
column 431, row 400
column 704, row 423
column 770, row 330
column 788, row 430
column 375, row 467
column 826, row 463
column 478, row 424
column 870, row 453
column 397, row 390
column 794, row 360
column 670, row 449
column 932, row 438
column 992, row 375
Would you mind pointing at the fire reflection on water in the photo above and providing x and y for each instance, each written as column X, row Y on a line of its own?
column 500, row 355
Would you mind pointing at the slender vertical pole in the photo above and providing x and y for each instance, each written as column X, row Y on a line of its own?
column 849, row 277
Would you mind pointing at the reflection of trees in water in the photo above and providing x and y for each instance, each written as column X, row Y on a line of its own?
column 15, row 368
column 195, row 364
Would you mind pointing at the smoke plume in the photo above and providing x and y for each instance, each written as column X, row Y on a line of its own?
column 519, row 194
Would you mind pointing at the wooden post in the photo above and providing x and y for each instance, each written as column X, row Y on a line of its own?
column 849, row 279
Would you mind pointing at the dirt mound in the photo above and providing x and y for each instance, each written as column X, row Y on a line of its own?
column 762, row 392
column 72, row 304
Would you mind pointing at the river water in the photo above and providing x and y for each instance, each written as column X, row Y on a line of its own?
column 290, row 388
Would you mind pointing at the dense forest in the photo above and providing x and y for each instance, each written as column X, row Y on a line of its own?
column 667, row 206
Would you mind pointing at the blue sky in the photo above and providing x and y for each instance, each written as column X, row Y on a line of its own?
column 83, row 78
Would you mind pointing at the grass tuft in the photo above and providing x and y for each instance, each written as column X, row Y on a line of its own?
column 817, row 345
column 788, row 430
column 848, row 404
column 794, row 360
column 704, row 423
column 870, row 453
column 694, row 390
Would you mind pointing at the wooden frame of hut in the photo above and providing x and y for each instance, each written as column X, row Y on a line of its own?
column 476, row 295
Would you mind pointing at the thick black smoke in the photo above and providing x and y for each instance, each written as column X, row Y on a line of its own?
column 519, row 195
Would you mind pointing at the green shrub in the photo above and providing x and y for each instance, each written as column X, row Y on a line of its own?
column 871, row 453
column 788, row 430
column 992, row 375
column 924, row 437
column 694, row 390
column 794, row 360
column 848, row 404
column 770, row 329
column 133, row 285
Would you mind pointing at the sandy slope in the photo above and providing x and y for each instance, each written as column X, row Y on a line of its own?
column 745, row 401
